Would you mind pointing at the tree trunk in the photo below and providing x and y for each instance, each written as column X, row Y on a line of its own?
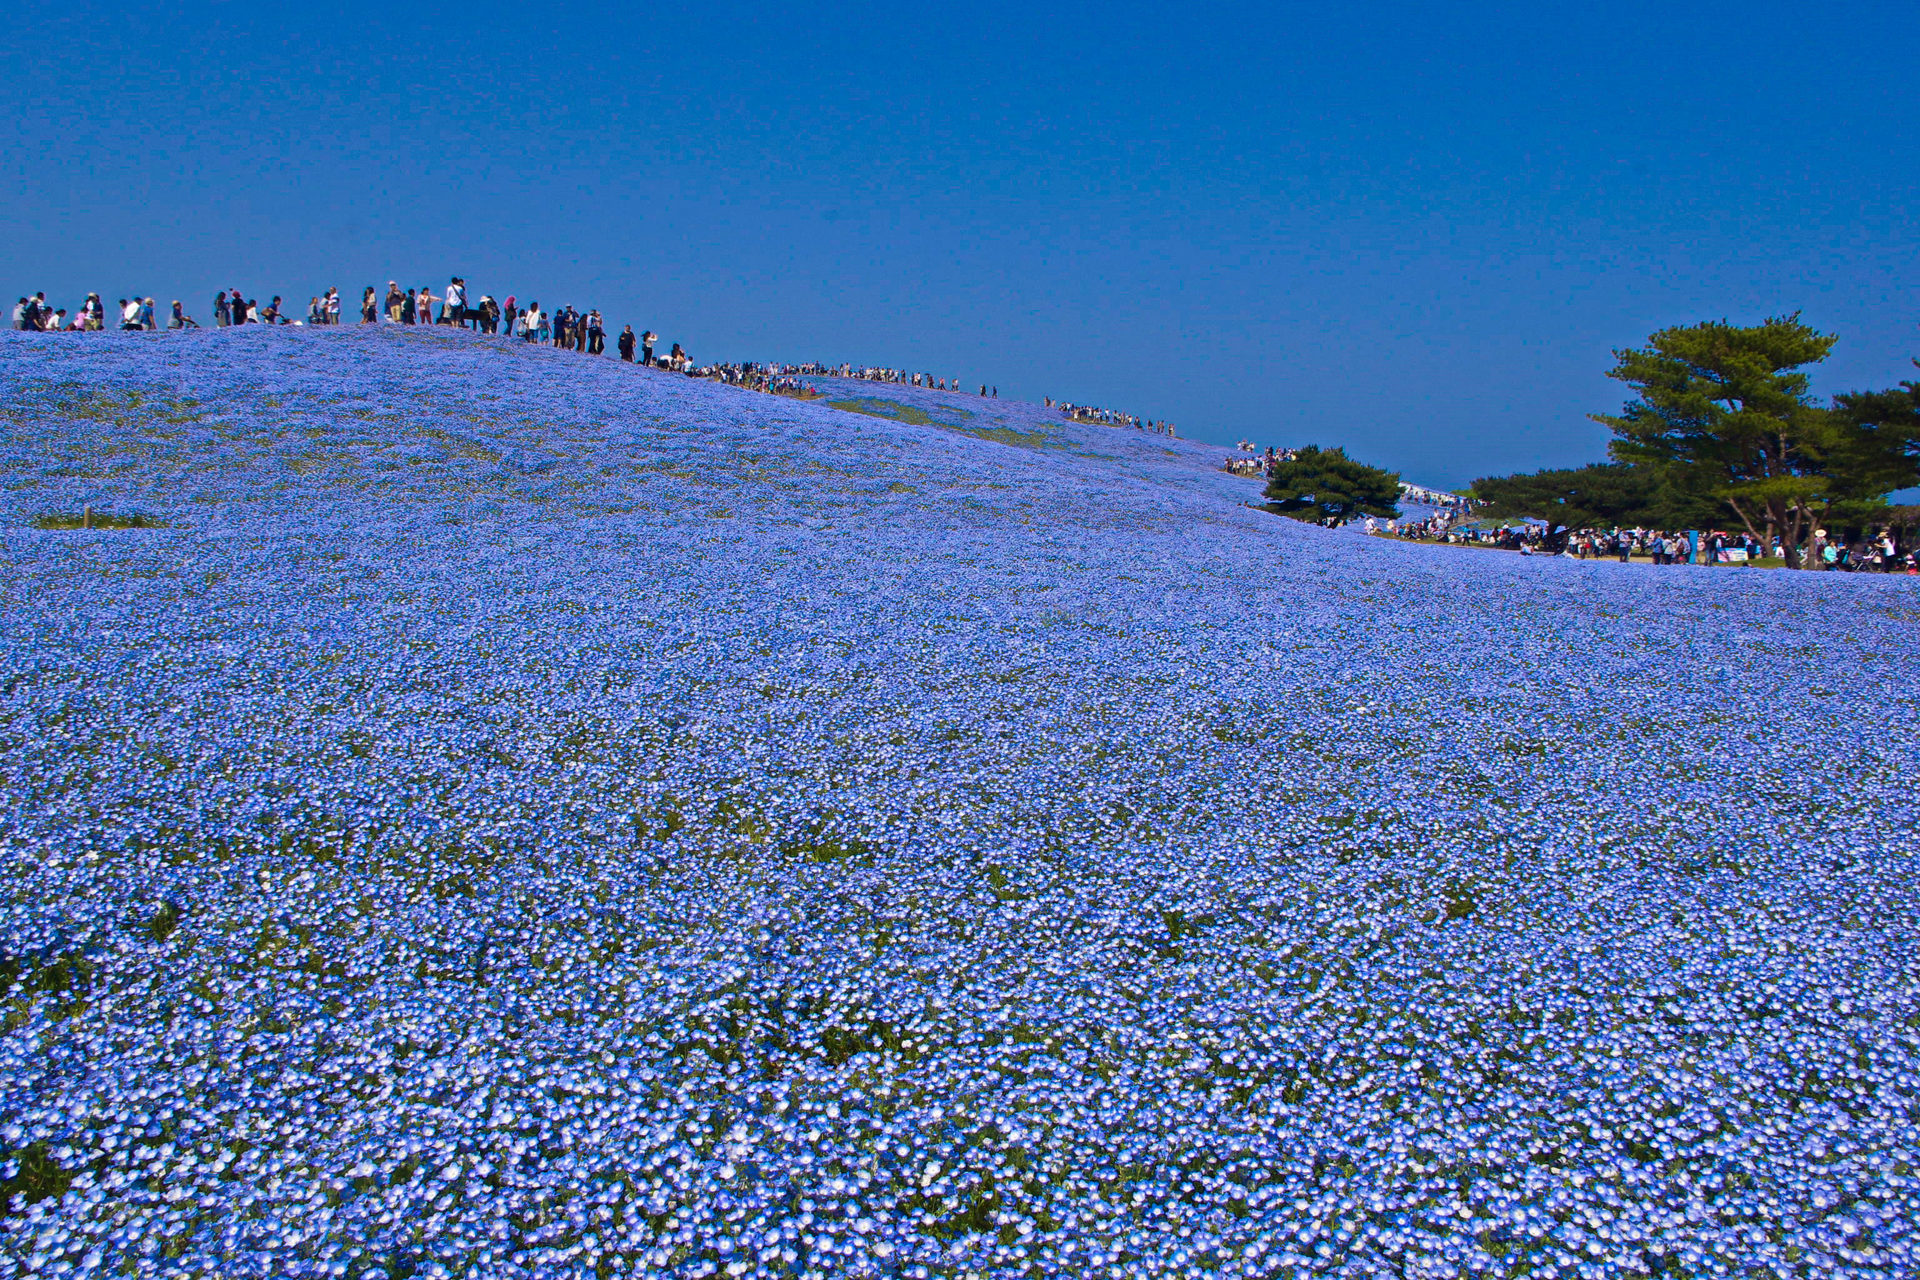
column 1789, row 520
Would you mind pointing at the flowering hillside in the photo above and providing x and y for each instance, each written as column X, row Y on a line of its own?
column 525, row 815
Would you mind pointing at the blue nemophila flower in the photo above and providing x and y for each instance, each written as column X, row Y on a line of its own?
column 528, row 816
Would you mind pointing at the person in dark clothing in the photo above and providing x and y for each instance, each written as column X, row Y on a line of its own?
column 407, row 308
column 626, row 344
column 220, row 317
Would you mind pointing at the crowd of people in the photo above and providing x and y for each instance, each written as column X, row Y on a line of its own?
column 457, row 305
column 37, row 315
column 1110, row 417
column 879, row 373
column 1249, row 461
column 565, row 327
column 1879, row 552
column 775, row 379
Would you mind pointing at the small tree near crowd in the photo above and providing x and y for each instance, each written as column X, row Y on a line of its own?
column 1327, row 486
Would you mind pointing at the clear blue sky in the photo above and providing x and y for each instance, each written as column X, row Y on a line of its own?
column 1412, row 229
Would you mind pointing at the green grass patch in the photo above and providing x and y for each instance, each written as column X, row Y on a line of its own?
column 1007, row 435
column 890, row 409
column 913, row 415
column 90, row 519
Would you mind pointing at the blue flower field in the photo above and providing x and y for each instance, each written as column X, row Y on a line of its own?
column 515, row 814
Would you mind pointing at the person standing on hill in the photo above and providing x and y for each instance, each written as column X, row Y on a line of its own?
column 220, row 318
column 647, row 340
column 453, row 310
column 369, row 309
column 423, row 305
column 626, row 344
column 596, row 334
column 510, row 313
column 394, row 299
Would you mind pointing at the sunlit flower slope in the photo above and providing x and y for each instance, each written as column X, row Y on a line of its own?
column 524, row 815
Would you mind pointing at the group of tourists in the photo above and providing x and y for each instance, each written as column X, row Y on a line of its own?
column 1878, row 553
column 775, row 379
column 1249, row 461
column 566, row 327
column 880, row 373
column 35, row 315
column 457, row 305
column 1110, row 417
